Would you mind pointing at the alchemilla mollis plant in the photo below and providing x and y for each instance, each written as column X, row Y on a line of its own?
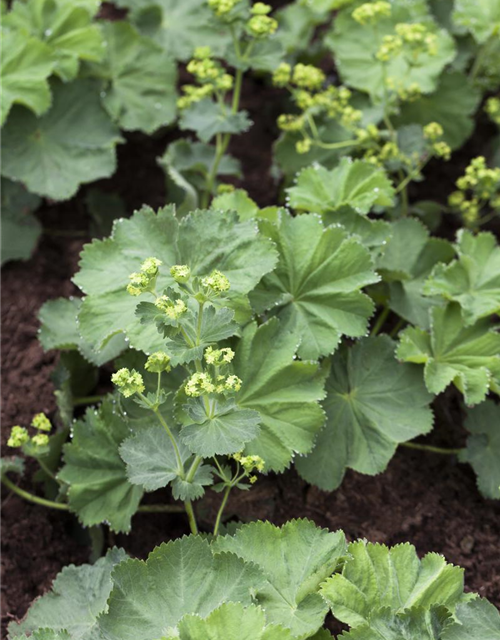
column 236, row 342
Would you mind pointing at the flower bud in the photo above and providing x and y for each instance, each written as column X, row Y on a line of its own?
column 216, row 281
column 18, row 437
column 128, row 382
column 158, row 362
column 41, row 422
column 180, row 273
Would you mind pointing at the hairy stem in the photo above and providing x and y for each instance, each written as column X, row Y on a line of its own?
column 221, row 509
column 380, row 321
column 30, row 497
column 191, row 517
column 431, row 448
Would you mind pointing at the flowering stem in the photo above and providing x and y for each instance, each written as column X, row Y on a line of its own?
column 221, row 508
column 194, row 467
column 397, row 327
column 46, row 470
column 191, row 517
column 380, row 321
column 431, row 448
column 79, row 401
column 478, row 62
column 30, row 497
column 158, row 387
column 335, row 145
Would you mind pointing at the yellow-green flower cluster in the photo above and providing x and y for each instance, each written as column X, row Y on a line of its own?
column 282, row 75
column 158, row 362
column 180, row 273
column 41, row 422
column 307, row 76
column 418, row 37
column 261, row 25
column 173, row 309
column 219, row 357
column 202, row 383
column 391, row 46
column 492, row 108
column 371, row 12
column 40, row 440
column 210, row 76
column 145, row 279
column 18, row 436
column 479, row 186
column 128, row 382
column 216, row 281
column 222, row 7
column 250, row 464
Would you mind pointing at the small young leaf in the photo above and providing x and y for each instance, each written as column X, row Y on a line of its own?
column 483, row 447
column 295, row 559
column 283, row 391
column 477, row 620
column 468, row 357
column 376, row 576
column 78, row 596
column 473, row 280
column 50, row 155
column 316, row 285
column 372, row 404
column 356, row 186
column 150, row 598
column 208, row 118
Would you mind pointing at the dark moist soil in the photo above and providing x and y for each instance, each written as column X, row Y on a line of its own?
column 427, row 499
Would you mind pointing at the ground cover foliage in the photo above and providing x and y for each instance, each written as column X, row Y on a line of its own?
column 318, row 333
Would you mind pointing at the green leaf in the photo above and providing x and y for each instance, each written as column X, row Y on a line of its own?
column 483, row 447
column 183, row 577
column 284, row 391
column 417, row 623
column 407, row 261
column 78, row 596
column 12, row 464
column 452, row 105
column 204, row 240
column 50, row 154
column 239, row 201
column 477, row 620
column 20, row 228
column 45, row 634
column 231, row 621
column 373, row 234
column 376, row 576
column 179, row 27
column 316, row 285
column 473, row 280
column 208, row 118
column 59, row 330
column 223, row 430
column 467, row 356
column 295, row 559
column 356, row 186
column 66, row 28
column 355, row 47
column 194, row 489
column 480, row 17
column 25, row 65
column 99, row 490
column 138, row 79
column 150, row 458
column 372, row 404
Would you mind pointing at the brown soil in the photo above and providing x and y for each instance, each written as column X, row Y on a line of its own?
column 427, row 499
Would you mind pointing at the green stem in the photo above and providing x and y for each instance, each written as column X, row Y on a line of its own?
column 478, row 62
column 221, row 509
column 158, row 387
column 191, row 517
column 46, row 470
column 161, row 508
column 178, row 457
column 30, row 497
column 431, row 448
column 194, row 467
column 335, row 145
column 397, row 327
column 82, row 400
column 380, row 321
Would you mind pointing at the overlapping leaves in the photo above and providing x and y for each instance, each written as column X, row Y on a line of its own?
column 317, row 283
column 372, row 403
column 20, row 228
column 204, row 240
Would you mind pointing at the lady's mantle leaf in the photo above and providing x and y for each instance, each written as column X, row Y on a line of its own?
column 284, row 391
column 356, row 186
column 183, row 577
column 20, row 228
column 226, row 428
column 52, row 156
column 208, row 118
column 317, row 283
column 467, row 356
column 376, row 577
column 66, row 28
column 25, row 65
column 480, row 17
column 473, row 280
column 204, row 240
column 483, row 447
column 416, row 623
column 138, row 79
column 372, row 404
column 231, row 621
column 295, row 559
column 477, row 620
column 78, row 596
column 99, row 490
column 409, row 256
column 355, row 47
